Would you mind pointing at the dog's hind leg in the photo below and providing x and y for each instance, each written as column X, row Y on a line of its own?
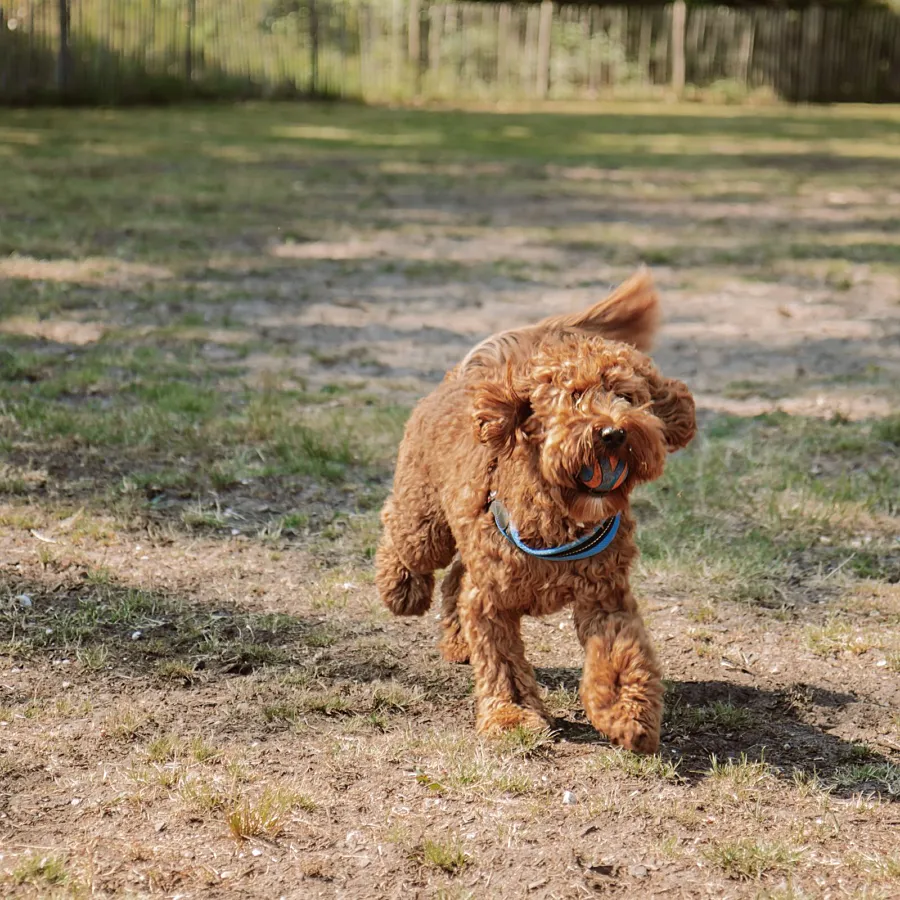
column 621, row 685
column 506, row 692
column 415, row 542
column 453, row 644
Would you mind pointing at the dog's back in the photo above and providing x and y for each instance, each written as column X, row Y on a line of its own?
column 630, row 314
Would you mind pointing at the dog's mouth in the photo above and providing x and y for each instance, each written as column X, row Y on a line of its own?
column 605, row 475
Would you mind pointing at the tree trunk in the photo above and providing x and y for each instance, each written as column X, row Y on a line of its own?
column 64, row 60
column 313, row 48
column 190, row 19
column 543, row 51
column 679, row 18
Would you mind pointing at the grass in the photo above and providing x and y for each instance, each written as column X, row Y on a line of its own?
column 838, row 636
column 751, row 859
column 96, row 619
column 41, row 871
column 738, row 781
column 653, row 768
column 716, row 716
column 447, row 856
column 267, row 815
column 881, row 777
column 746, row 506
column 213, row 325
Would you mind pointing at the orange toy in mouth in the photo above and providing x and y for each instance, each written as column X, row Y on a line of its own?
column 608, row 474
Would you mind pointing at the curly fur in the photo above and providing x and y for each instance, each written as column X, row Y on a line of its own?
column 517, row 419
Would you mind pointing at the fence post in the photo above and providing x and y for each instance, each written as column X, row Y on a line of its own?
column 414, row 48
column 644, row 42
column 545, row 28
column 747, row 49
column 313, row 48
column 64, row 59
column 811, row 23
column 679, row 17
column 190, row 19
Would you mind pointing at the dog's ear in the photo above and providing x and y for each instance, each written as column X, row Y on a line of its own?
column 674, row 406
column 499, row 408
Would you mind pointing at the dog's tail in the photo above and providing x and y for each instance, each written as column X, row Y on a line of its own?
column 630, row 313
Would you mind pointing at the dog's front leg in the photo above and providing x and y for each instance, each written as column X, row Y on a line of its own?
column 506, row 692
column 621, row 685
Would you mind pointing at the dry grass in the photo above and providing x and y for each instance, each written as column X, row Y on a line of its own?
column 266, row 815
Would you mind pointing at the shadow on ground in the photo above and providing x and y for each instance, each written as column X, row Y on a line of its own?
column 774, row 731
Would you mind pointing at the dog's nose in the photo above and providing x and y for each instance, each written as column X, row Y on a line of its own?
column 612, row 437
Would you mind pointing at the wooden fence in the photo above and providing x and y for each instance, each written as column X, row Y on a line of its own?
column 114, row 51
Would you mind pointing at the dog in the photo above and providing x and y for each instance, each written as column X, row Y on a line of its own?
column 516, row 473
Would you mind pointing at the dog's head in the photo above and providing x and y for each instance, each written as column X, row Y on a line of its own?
column 576, row 401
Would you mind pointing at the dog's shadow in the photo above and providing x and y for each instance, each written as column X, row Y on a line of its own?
column 706, row 719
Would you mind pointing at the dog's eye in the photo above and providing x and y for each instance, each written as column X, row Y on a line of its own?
column 627, row 396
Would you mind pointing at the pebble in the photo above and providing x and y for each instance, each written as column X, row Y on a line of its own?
column 354, row 838
column 24, row 601
column 638, row 871
column 568, row 798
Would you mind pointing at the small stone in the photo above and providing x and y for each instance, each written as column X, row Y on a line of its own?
column 881, row 663
column 568, row 798
column 24, row 601
column 638, row 871
column 235, row 532
column 137, row 635
column 76, row 801
column 256, row 852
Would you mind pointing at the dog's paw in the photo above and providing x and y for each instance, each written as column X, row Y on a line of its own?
column 453, row 647
column 499, row 719
column 403, row 592
column 635, row 736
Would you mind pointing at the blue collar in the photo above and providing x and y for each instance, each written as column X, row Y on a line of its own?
column 589, row 545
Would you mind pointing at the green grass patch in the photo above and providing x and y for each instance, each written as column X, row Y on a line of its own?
column 41, row 871
column 99, row 622
column 446, row 855
column 748, row 859
column 636, row 765
column 874, row 777
column 754, row 501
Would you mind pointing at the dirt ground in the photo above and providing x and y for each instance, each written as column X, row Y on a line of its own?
column 200, row 695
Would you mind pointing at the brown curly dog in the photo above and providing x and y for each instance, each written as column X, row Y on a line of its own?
column 501, row 477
